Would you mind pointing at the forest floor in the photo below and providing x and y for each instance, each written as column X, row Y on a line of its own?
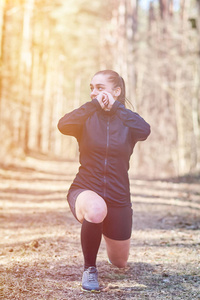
column 40, row 252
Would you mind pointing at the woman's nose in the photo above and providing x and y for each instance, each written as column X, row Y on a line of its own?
column 94, row 92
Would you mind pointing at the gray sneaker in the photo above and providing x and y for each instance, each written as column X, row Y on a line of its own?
column 90, row 280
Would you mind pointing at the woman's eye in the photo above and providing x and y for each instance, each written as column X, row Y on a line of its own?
column 100, row 88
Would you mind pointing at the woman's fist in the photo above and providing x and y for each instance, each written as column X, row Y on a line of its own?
column 106, row 100
column 103, row 100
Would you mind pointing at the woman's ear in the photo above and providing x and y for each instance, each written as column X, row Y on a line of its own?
column 117, row 91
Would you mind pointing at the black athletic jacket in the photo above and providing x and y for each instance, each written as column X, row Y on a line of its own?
column 106, row 140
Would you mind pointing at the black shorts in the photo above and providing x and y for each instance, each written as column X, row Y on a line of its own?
column 117, row 225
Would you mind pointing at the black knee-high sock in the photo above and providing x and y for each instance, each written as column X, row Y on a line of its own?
column 91, row 234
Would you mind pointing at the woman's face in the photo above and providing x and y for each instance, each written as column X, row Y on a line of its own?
column 100, row 83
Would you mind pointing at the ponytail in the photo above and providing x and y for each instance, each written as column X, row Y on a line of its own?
column 122, row 97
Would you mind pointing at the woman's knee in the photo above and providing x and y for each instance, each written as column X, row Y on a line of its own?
column 96, row 212
column 120, row 263
column 91, row 207
column 118, row 251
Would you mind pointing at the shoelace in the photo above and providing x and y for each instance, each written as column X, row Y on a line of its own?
column 92, row 276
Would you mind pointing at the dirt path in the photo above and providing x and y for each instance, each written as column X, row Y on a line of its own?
column 40, row 255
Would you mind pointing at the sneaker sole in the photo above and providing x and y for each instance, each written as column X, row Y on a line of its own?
column 90, row 291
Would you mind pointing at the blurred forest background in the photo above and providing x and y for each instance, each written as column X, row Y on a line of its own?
column 49, row 51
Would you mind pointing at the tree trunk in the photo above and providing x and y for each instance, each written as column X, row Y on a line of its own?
column 170, row 8
column 182, row 9
column 25, row 74
column 151, row 15
column 135, row 15
column 2, row 42
column 163, row 9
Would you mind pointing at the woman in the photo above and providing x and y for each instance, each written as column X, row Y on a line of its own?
column 99, row 196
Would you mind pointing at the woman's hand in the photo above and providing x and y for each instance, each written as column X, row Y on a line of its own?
column 106, row 100
column 103, row 100
column 109, row 100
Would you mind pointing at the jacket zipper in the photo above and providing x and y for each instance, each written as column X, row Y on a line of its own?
column 106, row 156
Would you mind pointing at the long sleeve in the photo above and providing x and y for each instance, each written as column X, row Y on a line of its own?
column 140, row 129
column 72, row 123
